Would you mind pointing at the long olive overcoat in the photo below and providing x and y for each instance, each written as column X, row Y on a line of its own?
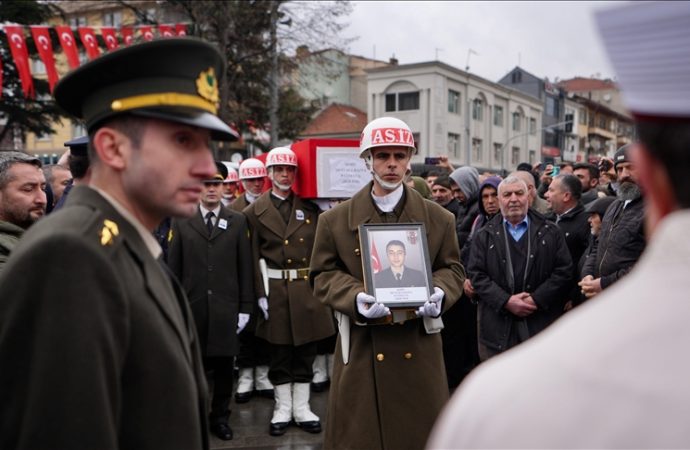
column 394, row 386
column 295, row 316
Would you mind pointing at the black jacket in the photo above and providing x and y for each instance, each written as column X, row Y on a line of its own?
column 621, row 242
column 547, row 278
column 576, row 231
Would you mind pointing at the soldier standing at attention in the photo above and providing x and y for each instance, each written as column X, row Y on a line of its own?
column 389, row 381
column 283, row 227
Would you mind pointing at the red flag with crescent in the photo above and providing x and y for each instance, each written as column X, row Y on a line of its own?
column 110, row 38
column 375, row 260
column 147, row 33
column 45, row 52
column 127, row 35
column 88, row 38
column 15, row 37
column 69, row 46
column 181, row 29
column 166, row 30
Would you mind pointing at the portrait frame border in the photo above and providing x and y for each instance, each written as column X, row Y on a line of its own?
column 366, row 232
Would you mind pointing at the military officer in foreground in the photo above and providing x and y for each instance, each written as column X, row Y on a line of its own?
column 98, row 347
column 283, row 226
column 389, row 381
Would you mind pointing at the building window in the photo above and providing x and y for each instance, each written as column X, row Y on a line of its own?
column 477, row 153
column 532, row 157
column 497, row 154
column 78, row 130
column 532, row 125
column 454, row 144
column 516, row 77
column 515, row 156
column 477, row 109
column 112, row 19
column 516, row 121
column 583, row 118
column 77, row 22
column 498, row 116
column 40, row 137
column 453, row 102
column 402, row 101
column 551, row 107
column 602, row 122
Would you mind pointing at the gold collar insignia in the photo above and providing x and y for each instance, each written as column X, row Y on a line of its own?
column 109, row 231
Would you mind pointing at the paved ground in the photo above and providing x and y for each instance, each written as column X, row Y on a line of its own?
column 249, row 422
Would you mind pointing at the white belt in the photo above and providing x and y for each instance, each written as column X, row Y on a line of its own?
column 288, row 274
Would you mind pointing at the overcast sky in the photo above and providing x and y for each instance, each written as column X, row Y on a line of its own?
column 549, row 39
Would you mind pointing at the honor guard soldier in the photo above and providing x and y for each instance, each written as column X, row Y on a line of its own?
column 230, row 186
column 283, row 227
column 92, row 327
column 389, row 381
column 253, row 358
column 210, row 254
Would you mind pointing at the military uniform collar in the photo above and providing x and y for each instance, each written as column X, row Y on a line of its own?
column 415, row 208
column 147, row 236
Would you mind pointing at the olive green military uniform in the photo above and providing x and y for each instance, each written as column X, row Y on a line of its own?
column 394, row 385
column 296, row 317
column 88, row 306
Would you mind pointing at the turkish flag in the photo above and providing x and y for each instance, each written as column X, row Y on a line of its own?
column 69, row 45
column 147, row 32
column 88, row 38
column 181, row 29
column 110, row 38
column 15, row 37
column 127, row 35
column 166, row 30
column 45, row 51
column 375, row 260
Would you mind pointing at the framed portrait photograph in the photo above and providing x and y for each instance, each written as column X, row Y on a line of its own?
column 395, row 258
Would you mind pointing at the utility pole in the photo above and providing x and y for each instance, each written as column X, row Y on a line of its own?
column 275, row 76
column 503, row 148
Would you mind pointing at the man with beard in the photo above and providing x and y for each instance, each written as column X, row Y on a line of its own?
column 22, row 198
column 622, row 238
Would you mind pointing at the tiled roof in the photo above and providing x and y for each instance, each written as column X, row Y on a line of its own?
column 337, row 119
column 580, row 84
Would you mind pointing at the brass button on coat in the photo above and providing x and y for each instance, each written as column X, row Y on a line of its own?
column 379, row 357
column 408, row 355
column 286, row 242
column 357, row 252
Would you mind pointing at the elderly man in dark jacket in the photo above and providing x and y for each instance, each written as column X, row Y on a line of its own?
column 520, row 269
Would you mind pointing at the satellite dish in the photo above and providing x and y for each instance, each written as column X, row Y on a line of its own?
column 607, row 97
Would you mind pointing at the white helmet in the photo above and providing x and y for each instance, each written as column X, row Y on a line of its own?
column 232, row 176
column 281, row 156
column 252, row 168
column 385, row 131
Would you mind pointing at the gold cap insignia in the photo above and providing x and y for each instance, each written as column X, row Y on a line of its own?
column 207, row 85
column 170, row 235
column 109, row 231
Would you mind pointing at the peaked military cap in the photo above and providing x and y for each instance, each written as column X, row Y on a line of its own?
column 221, row 173
column 78, row 146
column 173, row 79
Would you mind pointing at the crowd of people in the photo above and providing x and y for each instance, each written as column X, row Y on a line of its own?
column 184, row 274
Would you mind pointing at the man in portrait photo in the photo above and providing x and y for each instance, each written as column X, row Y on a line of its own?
column 398, row 274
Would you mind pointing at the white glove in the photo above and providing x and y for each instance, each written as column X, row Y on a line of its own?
column 242, row 319
column 263, row 304
column 432, row 308
column 370, row 308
